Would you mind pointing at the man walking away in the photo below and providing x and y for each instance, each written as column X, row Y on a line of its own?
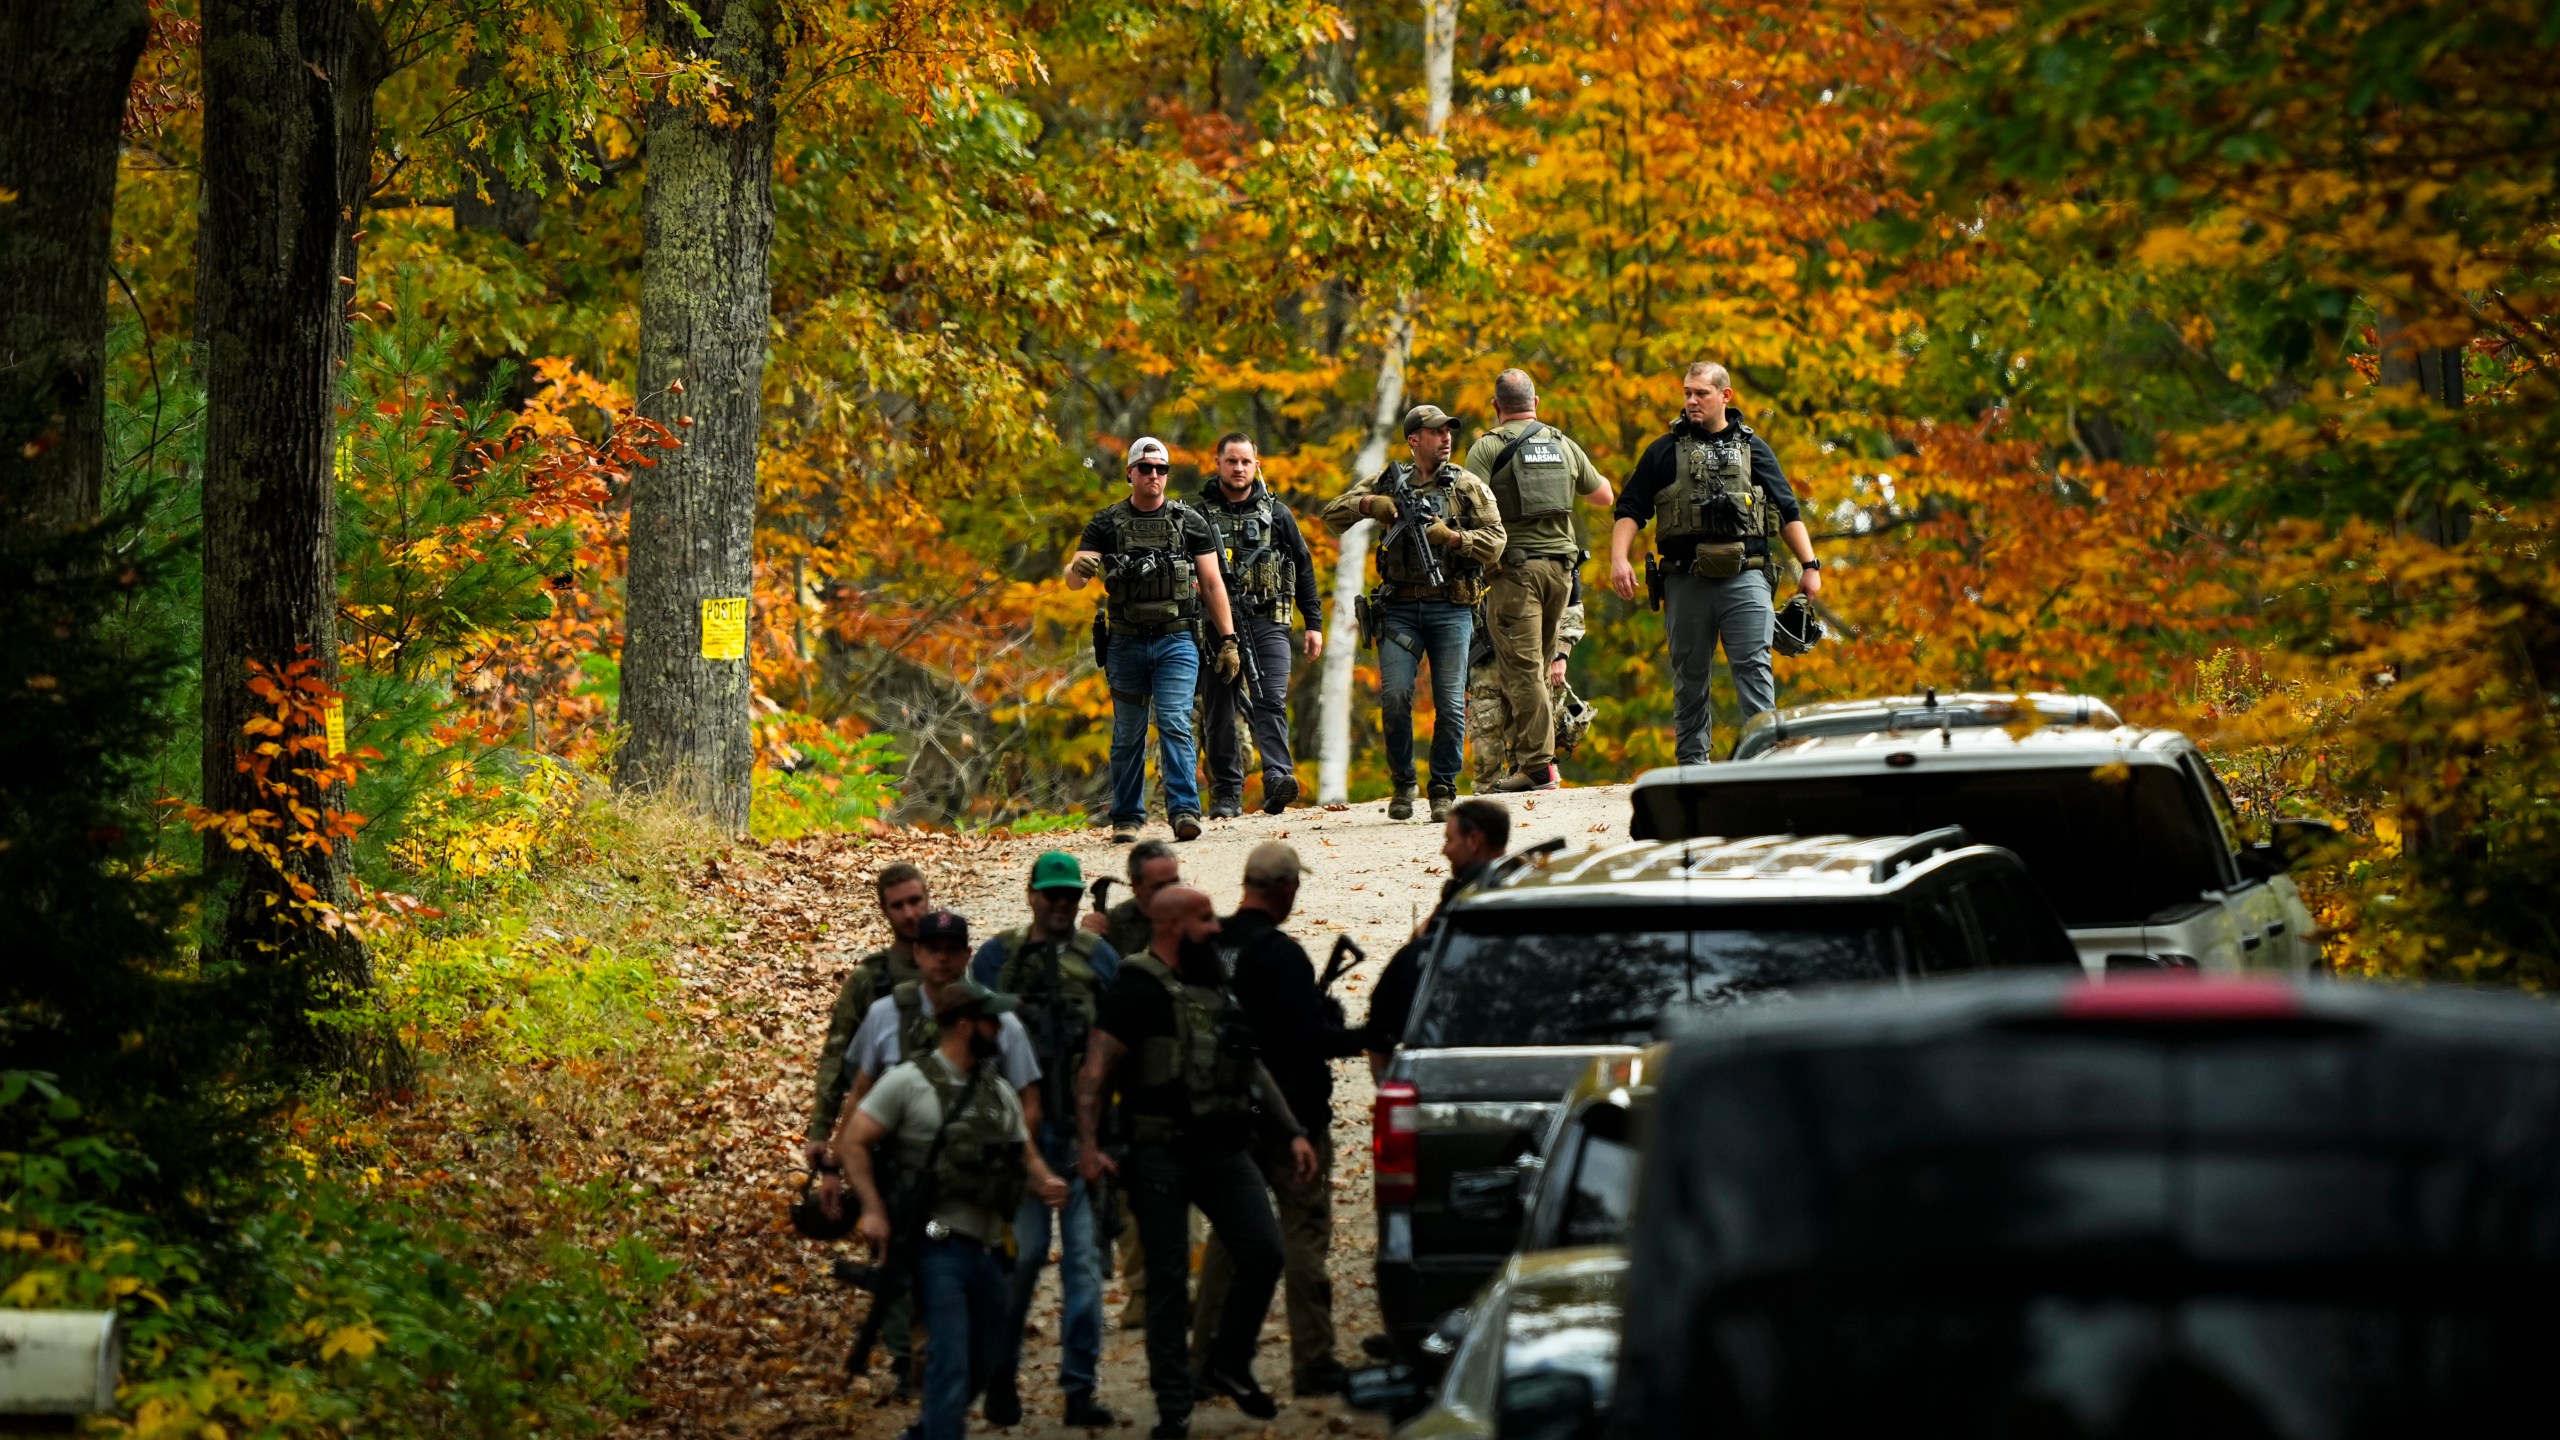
column 1158, row 561
column 961, row 1132
column 1267, row 567
column 1534, row 470
column 1716, row 497
column 1152, row 866
column 900, row 890
column 1302, row 1031
column 1489, row 714
column 1418, row 615
column 1057, row 973
column 1478, row 831
column 1193, row 1092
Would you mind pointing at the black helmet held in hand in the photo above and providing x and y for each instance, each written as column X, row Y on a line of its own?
column 811, row 1220
column 1797, row 627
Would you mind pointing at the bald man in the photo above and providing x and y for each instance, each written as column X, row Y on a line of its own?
column 1192, row 1110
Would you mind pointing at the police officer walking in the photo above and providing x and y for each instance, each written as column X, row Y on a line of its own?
column 1192, row 1092
column 1302, row 1032
column 1158, row 560
column 1489, row 730
column 1534, row 470
column 1420, row 613
column 900, row 890
column 964, row 1132
column 1717, row 498
column 1267, row 567
column 1058, row 973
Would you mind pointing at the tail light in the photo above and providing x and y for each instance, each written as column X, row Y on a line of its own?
column 1394, row 1121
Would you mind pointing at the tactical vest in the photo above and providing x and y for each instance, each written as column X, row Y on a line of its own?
column 1210, row 1055
column 1537, row 480
column 1712, row 500
column 1262, row 586
column 1396, row 563
column 981, row 1159
column 1147, row 581
column 918, row 1032
column 1059, row 991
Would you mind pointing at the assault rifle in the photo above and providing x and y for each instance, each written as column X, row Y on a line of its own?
column 1416, row 509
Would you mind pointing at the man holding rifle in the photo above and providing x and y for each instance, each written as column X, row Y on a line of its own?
column 1442, row 529
column 1268, row 567
column 964, row 1160
column 1302, row 1032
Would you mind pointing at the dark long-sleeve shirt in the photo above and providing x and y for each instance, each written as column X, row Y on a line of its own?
column 1391, row 1003
column 1661, row 465
column 1275, row 983
column 1289, row 539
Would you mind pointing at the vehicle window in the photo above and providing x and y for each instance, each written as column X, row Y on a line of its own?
column 2218, row 800
column 2016, row 926
column 1602, row 1194
column 2114, row 845
column 1939, row 945
column 1549, row 977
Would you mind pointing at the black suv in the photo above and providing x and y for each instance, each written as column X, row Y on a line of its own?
column 2149, row 1207
column 1531, row 977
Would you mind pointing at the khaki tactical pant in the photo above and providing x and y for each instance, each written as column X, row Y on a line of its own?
column 1306, row 1243
column 1524, row 603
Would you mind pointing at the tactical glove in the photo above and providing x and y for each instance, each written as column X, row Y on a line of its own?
column 1378, row 507
column 1443, row 534
column 1086, row 566
column 1229, row 662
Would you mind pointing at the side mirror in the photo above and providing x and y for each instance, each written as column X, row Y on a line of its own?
column 1390, row 1390
column 1547, row 1405
column 2292, row 842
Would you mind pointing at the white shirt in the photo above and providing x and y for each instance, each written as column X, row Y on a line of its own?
column 874, row 1051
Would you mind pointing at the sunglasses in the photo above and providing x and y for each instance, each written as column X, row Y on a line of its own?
column 1144, row 468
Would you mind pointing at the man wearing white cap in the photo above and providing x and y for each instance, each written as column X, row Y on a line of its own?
column 1158, row 560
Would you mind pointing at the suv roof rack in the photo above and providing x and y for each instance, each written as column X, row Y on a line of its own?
column 1918, row 848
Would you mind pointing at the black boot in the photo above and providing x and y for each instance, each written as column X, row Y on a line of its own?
column 1086, row 1413
column 1004, row 1401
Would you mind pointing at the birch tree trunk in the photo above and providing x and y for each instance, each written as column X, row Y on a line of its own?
column 61, row 110
column 706, row 216
column 1333, row 697
column 288, row 105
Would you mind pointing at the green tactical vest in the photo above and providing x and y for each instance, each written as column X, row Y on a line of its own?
column 1397, row 563
column 1263, row 585
column 918, row 1032
column 981, row 1159
column 1058, row 989
column 1712, row 499
column 1537, row 481
column 1148, row 584
column 1209, row 1053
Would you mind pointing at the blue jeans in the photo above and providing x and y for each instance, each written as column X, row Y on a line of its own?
column 1164, row 672
column 960, row 1294
column 1408, row 631
column 1079, row 1273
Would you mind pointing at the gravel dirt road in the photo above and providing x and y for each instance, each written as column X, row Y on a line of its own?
column 753, row 1343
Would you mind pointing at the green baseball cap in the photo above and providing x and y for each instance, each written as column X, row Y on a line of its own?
column 1057, row 870
column 966, row 996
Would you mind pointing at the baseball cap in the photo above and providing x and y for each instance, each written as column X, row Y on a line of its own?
column 1057, row 870
column 1273, row 862
column 942, row 927
column 1148, row 447
column 964, row 995
column 1427, row 417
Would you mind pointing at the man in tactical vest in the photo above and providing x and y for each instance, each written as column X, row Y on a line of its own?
column 1489, row 713
column 1534, row 471
column 1302, row 1032
column 1129, row 927
column 1193, row 1093
column 1268, row 568
column 1158, row 560
column 962, row 1134
column 1717, row 499
column 1430, row 576
column 1058, row 973
column 900, row 890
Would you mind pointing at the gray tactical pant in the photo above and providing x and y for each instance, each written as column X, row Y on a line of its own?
column 1696, row 613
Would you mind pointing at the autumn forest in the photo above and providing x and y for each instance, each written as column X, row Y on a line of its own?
column 385, row 383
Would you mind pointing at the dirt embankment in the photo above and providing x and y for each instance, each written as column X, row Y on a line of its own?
column 751, row 1341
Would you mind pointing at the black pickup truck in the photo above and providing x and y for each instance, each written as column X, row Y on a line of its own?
column 1532, row 976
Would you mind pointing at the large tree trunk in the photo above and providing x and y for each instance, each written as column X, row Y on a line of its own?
column 1333, row 697
column 706, row 223
column 61, row 110
column 288, row 91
